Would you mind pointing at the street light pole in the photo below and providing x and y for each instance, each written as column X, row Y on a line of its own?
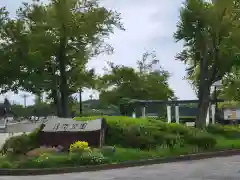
column 80, row 102
column 25, row 96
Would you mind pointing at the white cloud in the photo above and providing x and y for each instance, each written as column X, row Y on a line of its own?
column 149, row 26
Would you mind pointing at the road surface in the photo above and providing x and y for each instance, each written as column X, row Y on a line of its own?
column 227, row 168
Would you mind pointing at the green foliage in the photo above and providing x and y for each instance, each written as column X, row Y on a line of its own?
column 201, row 140
column 46, row 51
column 121, row 83
column 212, row 24
column 139, row 138
column 144, row 133
column 63, row 160
column 40, row 110
column 125, row 107
column 231, row 132
column 95, row 158
column 210, row 33
column 16, row 145
column 230, row 87
column 5, row 163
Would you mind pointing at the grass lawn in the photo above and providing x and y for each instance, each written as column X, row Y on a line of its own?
column 126, row 154
column 223, row 143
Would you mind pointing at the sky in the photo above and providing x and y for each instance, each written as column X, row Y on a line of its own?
column 149, row 25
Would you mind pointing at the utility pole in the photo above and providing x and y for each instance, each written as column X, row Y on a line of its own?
column 25, row 96
column 80, row 101
column 91, row 96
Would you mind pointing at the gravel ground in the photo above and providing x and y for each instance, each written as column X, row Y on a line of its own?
column 227, row 168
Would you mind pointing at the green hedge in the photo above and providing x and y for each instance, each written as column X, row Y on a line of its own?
column 231, row 132
column 147, row 133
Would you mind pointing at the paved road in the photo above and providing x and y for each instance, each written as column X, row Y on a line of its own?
column 210, row 169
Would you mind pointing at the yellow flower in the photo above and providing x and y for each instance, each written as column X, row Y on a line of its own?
column 79, row 146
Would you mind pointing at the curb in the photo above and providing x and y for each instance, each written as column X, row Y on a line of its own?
column 181, row 158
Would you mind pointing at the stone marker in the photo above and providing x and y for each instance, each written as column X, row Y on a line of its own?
column 66, row 131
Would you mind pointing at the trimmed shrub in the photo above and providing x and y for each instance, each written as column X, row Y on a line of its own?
column 179, row 129
column 231, row 132
column 201, row 140
column 142, row 133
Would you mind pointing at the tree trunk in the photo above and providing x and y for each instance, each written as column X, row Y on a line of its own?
column 203, row 106
column 204, row 93
column 56, row 102
column 63, row 77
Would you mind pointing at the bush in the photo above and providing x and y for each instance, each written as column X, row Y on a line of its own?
column 106, row 150
column 201, row 140
column 142, row 133
column 94, row 158
column 20, row 144
column 5, row 163
column 79, row 147
column 179, row 129
column 16, row 145
column 231, row 132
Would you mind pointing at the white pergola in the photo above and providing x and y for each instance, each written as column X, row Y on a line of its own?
column 174, row 103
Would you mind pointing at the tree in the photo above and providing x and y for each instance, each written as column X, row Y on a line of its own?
column 122, row 82
column 7, row 105
column 210, row 32
column 8, row 69
column 6, row 102
column 230, row 89
column 55, row 42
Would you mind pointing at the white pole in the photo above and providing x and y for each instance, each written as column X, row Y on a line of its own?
column 207, row 117
column 213, row 110
column 169, row 120
column 134, row 114
column 144, row 111
column 177, row 114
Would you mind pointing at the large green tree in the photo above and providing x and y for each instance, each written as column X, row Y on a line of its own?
column 52, row 43
column 210, row 32
column 145, row 82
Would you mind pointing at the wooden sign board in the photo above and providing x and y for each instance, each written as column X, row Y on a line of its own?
column 66, row 131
